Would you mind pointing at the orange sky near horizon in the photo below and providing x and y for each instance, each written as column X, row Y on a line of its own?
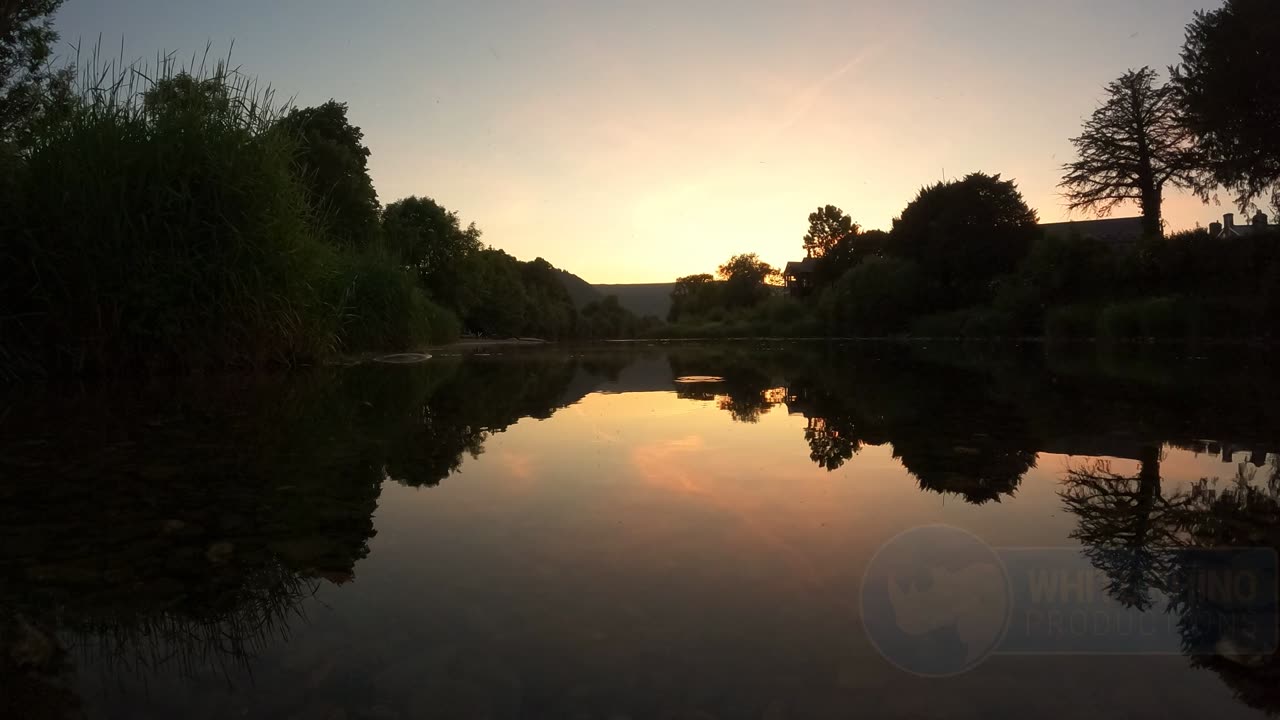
column 630, row 142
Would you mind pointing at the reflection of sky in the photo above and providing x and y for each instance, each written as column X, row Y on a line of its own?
column 640, row 141
column 647, row 551
column 643, row 530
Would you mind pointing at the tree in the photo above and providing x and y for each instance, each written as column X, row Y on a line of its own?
column 1132, row 146
column 29, row 87
column 606, row 318
column 430, row 240
column 1228, row 84
column 692, row 295
column 746, row 279
column 877, row 297
column 827, row 226
column 965, row 233
column 333, row 164
column 849, row 252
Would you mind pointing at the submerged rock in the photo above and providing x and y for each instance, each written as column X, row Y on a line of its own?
column 220, row 553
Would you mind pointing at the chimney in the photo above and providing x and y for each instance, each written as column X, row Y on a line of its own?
column 1215, row 229
column 1229, row 220
column 1260, row 220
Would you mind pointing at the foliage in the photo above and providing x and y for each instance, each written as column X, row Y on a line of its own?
column 1229, row 86
column 848, row 252
column 877, row 297
column 746, row 280
column 608, row 319
column 333, row 164
column 551, row 313
column 964, row 234
column 1155, row 317
column 161, row 225
column 694, row 295
column 30, row 89
column 1056, row 271
column 827, row 227
column 1131, row 147
column 431, row 241
column 384, row 308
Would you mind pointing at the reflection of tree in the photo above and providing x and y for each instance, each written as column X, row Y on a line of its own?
column 979, row 472
column 1145, row 541
column 481, row 397
column 830, row 445
column 1126, row 526
column 1243, row 514
column 745, row 389
column 746, row 405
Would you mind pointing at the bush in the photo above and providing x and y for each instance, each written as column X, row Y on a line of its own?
column 165, row 229
column 384, row 309
column 974, row 322
column 1156, row 317
column 877, row 297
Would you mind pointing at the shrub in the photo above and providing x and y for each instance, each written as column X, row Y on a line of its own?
column 162, row 227
column 384, row 309
column 877, row 297
column 1155, row 317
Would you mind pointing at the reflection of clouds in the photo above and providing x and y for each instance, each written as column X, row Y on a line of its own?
column 640, row 403
column 660, row 464
column 673, row 466
column 518, row 466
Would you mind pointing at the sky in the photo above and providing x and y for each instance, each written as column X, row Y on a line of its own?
column 644, row 140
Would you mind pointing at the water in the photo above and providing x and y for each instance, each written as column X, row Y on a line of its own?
column 572, row 533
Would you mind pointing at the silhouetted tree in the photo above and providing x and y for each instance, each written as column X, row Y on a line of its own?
column 876, row 297
column 552, row 313
column 965, row 233
column 849, row 252
column 1132, row 146
column 333, row 164
column 746, row 279
column 1229, row 86
column 431, row 241
column 607, row 318
column 29, row 87
column 693, row 295
column 827, row 226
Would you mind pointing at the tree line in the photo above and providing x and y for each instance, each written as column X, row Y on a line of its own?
column 968, row 258
column 173, row 216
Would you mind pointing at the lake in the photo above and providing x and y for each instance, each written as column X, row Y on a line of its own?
column 737, row 530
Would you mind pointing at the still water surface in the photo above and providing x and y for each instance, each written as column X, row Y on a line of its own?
column 574, row 533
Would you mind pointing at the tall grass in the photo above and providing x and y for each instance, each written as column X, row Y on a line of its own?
column 158, row 224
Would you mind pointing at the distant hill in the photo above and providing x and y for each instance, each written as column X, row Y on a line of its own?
column 641, row 299
column 580, row 290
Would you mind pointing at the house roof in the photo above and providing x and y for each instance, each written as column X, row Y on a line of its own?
column 801, row 267
column 1113, row 230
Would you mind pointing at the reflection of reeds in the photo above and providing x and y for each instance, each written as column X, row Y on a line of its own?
column 224, row 638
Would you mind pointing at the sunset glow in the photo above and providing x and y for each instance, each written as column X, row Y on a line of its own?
column 631, row 142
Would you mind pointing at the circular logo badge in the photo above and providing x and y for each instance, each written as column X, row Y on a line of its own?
column 935, row 600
